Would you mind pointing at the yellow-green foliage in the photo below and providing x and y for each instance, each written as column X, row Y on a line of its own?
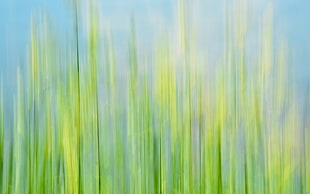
column 172, row 129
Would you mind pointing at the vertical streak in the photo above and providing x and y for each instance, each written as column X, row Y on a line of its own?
column 79, row 97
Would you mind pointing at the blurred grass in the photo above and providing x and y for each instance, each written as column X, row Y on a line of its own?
column 172, row 130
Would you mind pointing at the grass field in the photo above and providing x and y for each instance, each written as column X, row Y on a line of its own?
column 168, row 128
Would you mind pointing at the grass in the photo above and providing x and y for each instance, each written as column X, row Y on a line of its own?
column 173, row 129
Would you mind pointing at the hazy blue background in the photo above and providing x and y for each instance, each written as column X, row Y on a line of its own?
column 292, row 20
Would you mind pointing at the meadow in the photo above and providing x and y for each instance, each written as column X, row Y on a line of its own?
column 164, row 122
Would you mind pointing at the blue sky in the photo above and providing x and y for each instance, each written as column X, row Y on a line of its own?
column 292, row 20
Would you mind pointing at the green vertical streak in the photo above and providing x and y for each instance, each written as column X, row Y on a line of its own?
column 201, row 143
column 307, row 152
column 190, row 156
column 33, row 93
column 80, row 188
column 93, row 46
column 1, row 136
column 133, row 73
column 113, row 113
column 305, row 143
column 18, row 136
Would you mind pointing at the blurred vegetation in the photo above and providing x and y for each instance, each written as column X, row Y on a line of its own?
column 170, row 129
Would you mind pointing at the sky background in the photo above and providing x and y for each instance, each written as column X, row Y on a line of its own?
column 291, row 20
